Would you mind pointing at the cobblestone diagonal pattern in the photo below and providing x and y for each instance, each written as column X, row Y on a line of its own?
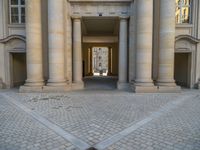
column 19, row 131
column 94, row 116
column 176, row 130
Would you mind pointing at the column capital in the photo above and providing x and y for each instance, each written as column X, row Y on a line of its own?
column 123, row 18
column 76, row 17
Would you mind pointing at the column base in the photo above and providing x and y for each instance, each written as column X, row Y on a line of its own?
column 57, row 83
column 1, row 84
column 57, row 89
column 143, row 87
column 30, row 89
column 123, row 86
column 32, row 83
column 168, row 87
column 78, row 85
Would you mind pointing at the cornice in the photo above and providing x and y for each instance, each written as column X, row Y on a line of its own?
column 100, row 1
column 12, row 37
column 188, row 37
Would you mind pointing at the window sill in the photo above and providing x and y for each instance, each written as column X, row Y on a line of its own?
column 184, row 26
column 16, row 25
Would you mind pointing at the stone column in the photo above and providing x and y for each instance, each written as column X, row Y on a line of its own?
column 34, row 80
column 144, row 34
column 123, row 58
column 77, row 54
column 57, row 81
column 91, row 71
column 109, row 61
column 165, row 80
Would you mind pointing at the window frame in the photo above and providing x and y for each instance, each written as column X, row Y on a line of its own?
column 181, row 6
column 19, row 6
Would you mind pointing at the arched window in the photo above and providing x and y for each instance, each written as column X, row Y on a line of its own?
column 183, row 11
column 17, row 11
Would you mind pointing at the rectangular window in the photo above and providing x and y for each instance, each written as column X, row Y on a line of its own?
column 17, row 11
column 183, row 11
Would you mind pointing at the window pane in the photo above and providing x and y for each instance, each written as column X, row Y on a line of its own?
column 14, row 15
column 186, row 2
column 15, row 19
column 22, row 2
column 14, row 2
column 178, row 12
column 22, row 19
column 14, row 11
column 22, row 15
column 185, row 14
column 179, row 2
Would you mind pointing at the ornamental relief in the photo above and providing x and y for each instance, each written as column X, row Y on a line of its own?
column 15, row 45
column 100, row 9
column 184, row 45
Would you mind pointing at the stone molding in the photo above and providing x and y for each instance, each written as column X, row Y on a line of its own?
column 188, row 38
column 12, row 37
column 108, row 1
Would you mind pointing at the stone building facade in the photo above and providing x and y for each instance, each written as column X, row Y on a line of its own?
column 45, row 45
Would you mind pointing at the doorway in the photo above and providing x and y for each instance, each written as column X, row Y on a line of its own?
column 183, row 69
column 100, row 52
column 18, row 69
column 100, row 59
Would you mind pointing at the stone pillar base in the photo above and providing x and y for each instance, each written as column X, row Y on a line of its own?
column 123, row 86
column 169, row 89
column 61, row 88
column 144, row 88
column 1, row 84
column 30, row 89
column 78, row 86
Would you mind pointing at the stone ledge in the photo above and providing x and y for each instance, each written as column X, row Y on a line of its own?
column 144, row 89
column 169, row 89
column 123, row 86
column 78, row 86
column 56, row 89
column 1, row 84
column 30, row 89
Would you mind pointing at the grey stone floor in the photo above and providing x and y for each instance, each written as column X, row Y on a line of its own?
column 109, row 120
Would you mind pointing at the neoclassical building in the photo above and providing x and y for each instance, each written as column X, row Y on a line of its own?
column 51, row 45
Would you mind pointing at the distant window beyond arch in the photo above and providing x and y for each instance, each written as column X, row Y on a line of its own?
column 17, row 11
column 183, row 11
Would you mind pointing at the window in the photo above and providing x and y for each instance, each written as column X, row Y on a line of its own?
column 183, row 11
column 17, row 11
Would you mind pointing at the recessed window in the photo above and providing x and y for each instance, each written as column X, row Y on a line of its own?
column 17, row 11
column 183, row 11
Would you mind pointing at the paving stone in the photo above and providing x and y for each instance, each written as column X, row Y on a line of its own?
column 94, row 116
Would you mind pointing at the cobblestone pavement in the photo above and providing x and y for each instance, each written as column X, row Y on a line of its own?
column 113, row 120
column 19, row 131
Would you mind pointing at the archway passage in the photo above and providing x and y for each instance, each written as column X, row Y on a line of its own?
column 18, row 69
column 100, row 61
column 183, row 69
column 100, row 52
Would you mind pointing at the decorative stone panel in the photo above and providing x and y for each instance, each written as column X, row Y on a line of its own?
column 100, row 8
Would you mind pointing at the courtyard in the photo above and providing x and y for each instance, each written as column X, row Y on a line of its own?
column 102, row 119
